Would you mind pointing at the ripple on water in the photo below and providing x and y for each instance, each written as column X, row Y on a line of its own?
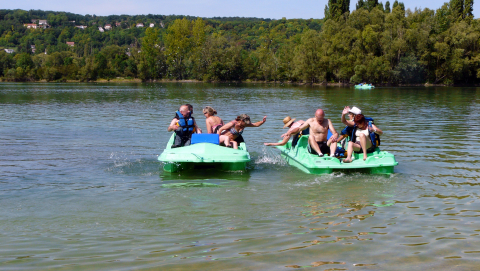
column 81, row 186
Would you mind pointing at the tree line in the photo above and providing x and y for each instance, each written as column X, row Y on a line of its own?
column 375, row 43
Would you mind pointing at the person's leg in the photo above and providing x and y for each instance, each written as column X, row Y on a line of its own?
column 351, row 147
column 187, row 140
column 239, row 139
column 225, row 139
column 314, row 145
column 332, row 146
column 363, row 144
column 324, row 148
column 177, row 142
column 235, row 144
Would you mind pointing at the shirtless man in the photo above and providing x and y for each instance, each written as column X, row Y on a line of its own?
column 317, row 140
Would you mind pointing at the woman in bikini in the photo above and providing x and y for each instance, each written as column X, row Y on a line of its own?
column 362, row 140
column 213, row 122
column 230, row 131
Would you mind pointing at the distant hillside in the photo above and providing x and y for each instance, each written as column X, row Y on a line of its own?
column 375, row 43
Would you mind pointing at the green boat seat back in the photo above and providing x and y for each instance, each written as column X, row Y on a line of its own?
column 299, row 135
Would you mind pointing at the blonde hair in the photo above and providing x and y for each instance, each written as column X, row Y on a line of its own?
column 209, row 110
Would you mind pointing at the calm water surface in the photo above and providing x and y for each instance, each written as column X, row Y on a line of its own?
column 81, row 188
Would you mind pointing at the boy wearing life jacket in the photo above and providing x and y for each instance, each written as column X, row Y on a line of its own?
column 184, row 126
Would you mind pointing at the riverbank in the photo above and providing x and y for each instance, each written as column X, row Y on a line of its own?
column 248, row 81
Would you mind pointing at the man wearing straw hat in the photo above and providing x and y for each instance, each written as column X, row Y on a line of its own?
column 289, row 122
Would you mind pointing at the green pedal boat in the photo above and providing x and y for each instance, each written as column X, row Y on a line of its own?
column 364, row 86
column 204, row 152
column 378, row 162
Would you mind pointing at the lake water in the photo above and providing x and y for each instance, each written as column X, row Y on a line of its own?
column 81, row 187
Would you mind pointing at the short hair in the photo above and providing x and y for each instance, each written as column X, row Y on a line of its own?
column 359, row 119
column 190, row 108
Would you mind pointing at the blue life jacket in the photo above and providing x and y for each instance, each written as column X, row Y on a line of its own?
column 188, row 124
column 346, row 131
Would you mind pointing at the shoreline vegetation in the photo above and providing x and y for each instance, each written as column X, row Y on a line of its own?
column 382, row 44
column 193, row 81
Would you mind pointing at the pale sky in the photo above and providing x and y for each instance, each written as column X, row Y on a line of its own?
column 274, row 9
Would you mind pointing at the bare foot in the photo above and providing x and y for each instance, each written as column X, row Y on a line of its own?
column 364, row 157
column 347, row 160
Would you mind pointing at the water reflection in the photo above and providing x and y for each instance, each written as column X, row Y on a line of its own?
column 205, row 174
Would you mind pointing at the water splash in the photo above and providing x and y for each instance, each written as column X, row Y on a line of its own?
column 269, row 156
column 124, row 164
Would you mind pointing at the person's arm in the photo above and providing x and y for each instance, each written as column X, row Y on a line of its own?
column 258, row 123
column 283, row 142
column 209, row 127
column 340, row 138
column 344, row 120
column 199, row 131
column 173, row 125
column 375, row 129
column 332, row 130
column 225, row 127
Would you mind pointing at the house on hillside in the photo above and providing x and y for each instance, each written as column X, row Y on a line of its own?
column 152, row 25
column 81, row 26
column 32, row 47
column 71, row 43
column 162, row 25
column 139, row 25
column 34, row 26
column 34, row 21
column 108, row 26
column 9, row 51
column 118, row 24
column 101, row 29
column 42, row 22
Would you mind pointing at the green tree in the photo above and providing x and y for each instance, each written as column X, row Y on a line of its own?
column 152, row 60
column 387, row 7
column 308, row 62
column 6, row 62
column 336, row 8
column 468, row 10
column 409, row 70
column 178, row 44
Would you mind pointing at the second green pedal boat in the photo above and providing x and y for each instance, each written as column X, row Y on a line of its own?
column 378, row 162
